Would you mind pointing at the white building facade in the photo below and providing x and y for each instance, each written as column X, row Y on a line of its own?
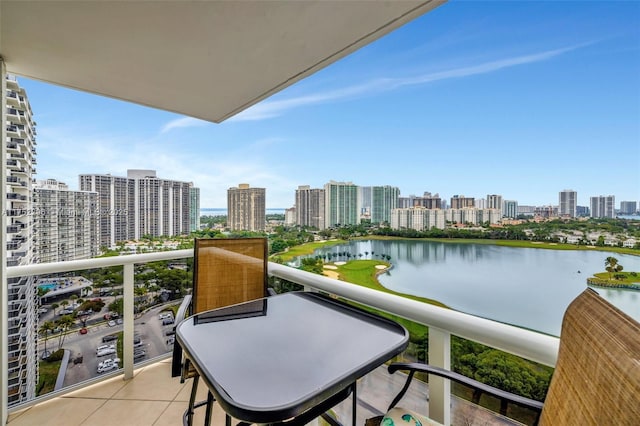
column 20, row 155
column 66, row 222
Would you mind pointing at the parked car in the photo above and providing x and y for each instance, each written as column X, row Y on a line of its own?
column 165, row 315
column 139, row 353
column 105, row 347
column 108, row 361
column 119, row 321
column 83, row 330
column 43, row 310
column 167, row 321
column 111, row 323
column 109, row 338
column 107, row 351
column 108, row 365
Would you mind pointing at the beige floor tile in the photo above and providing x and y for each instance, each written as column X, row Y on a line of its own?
column 59, row 411
column 104, row 390
column 154, row 382
column 17, row 414
column 127, row 412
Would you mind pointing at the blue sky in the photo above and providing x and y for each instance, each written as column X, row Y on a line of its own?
column 521, row 99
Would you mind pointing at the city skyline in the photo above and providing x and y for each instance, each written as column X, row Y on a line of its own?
column 517, row 99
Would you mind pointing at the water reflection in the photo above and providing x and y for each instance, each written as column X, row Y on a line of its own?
column 522, row 286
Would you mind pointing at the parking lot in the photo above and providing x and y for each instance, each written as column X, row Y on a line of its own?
column 149, row 329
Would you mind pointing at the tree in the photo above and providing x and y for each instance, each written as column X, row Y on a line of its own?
column 64, row 324
column 54, row 306
column 612, row 266
column 45, row 330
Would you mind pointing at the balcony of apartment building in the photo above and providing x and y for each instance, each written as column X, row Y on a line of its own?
column 146, row 394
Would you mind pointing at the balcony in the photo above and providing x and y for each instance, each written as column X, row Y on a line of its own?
column 149, row 395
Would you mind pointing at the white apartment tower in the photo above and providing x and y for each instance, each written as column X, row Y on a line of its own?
column 493, row 202
column 246, row 208
column 310, row 207
column 21, row 310
column 603, row 206
column 138, row 205
column 568, row 203
column 341, row 204
column 116, row 206
column 162, row 205
column 66, row 222
column 418, row 218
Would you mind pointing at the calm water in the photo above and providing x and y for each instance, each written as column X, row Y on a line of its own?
column 526, row 287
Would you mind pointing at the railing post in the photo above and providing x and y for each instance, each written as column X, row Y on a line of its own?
column 439, row 388
column 128, row 322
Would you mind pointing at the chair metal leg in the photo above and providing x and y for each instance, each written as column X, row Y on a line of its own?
column 207, row 416
column 227, row 421
column 354, row 405
column 192, row 400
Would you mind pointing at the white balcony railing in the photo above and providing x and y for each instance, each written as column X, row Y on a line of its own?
column 442, row 323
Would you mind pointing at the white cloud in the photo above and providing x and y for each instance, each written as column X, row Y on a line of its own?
column 270, row 109
column 183, row 122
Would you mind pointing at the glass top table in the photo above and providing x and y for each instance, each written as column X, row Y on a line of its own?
column 276, row 358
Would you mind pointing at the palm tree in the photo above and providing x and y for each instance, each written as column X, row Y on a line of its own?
column 54, row 306
column 64, row 323
column 45, row 328
column 612, row 266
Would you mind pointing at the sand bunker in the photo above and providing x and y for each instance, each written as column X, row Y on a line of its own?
column 381, row 267
column 340, row 263
column 330, row 267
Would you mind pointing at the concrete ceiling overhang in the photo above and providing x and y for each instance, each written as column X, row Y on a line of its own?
column 205, row 59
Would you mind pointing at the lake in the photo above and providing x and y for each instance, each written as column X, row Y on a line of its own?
column 522, row 286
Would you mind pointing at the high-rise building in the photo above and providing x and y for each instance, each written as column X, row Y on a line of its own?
column 341, row 203
column 628, row 207
column 510, row 209
column 473, row 216
column 418, row 218
column 568, row 202
column 116, row 206
column 290, row 216
column 428, row 201
column 494, row 202
column 66, row 222
column 603, row 206
column 383, row 200
column 138, row 205
column 20, row 168
column 460, row 202
column 364, row 202
column 194, row 208
column 246, row 208
column 310, row 207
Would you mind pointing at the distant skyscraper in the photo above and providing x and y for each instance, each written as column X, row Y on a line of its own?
column 460, row 201
column 510, row 209
column 310, row 207
column 66, row 223
column 494, row 202
column 138, row 205
column 418, row 218
column 364, row 202
column 246, row 208
column 568, row 201
column 428, row 201
column 383, row 200
column 22, row 326
column 603, row 206
column 290, row 216
column 628, row 207
column 341, row 203
column 194, row 208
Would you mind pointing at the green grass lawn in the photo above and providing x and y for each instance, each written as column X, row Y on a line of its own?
column 48, row 374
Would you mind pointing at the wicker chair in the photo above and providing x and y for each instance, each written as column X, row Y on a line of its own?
column 226, row 272
column 597, row 375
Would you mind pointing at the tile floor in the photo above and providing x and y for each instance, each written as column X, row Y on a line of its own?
column 152, row 398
